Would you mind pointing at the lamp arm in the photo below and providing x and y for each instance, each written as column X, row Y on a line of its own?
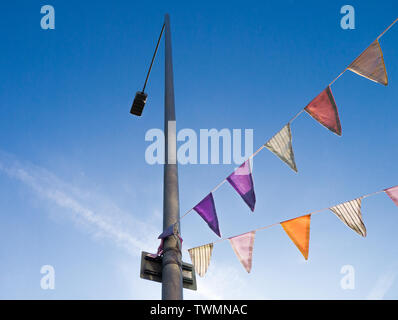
column 153, row 58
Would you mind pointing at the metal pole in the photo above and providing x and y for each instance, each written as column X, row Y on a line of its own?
column 171, row 265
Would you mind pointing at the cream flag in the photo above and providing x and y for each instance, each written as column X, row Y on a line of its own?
column 281, row 145
column 370, row 64
column 200, row 257
column 350, row 213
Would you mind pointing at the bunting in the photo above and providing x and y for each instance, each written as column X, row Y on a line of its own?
column 243, row 248
column 281, row 145
column 370, row 64
column 323, row 109
column 350, row 213
column 242, row 181
column 298, row 230
column 200, row 257
column 393, row 194
column 207, row 210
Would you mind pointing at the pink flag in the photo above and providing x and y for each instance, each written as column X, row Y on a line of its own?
column 393, row 194
column 243, row 248
column 323, row 109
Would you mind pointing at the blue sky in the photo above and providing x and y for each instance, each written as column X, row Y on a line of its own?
column 77, row 194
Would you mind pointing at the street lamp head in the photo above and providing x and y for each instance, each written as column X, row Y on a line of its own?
column 140, row 96
column 138, row 103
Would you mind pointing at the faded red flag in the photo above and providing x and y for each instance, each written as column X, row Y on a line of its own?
column 323, row 109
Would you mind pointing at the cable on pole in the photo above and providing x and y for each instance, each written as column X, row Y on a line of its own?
column 153, row 58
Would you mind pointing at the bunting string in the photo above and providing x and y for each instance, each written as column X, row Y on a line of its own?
column 388, row 28
column 334, row 80
column 298, row 230
column 370, row 64
column 310, row 213
column 380, row 35
column 296, row 116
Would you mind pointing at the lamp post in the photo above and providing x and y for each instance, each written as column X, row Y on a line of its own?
column 171, row 270
column 171, row 264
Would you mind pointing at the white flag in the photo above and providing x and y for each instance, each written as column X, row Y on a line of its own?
column 281, row 145
column 200, row 257
column 350, row 213
column 370, row 64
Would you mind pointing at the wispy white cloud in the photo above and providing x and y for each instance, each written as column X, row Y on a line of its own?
column 221, row 282
column 383, row 284
column 104, row 219
column 96, row 214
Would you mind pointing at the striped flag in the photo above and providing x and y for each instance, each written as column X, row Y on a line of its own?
column 350, row 213
column 393, row 194
column 323, row 109
column 243, row 248
column 281, row 145
column 298, row 230
column 200, row 257
column 370, row 64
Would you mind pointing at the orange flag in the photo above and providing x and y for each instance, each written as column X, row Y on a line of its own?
column 298, row 230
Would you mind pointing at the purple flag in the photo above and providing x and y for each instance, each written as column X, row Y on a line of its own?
column 242, row 181
column 173, row 229
column 207, row 210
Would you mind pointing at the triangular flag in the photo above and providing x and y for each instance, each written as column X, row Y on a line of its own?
column 242, row 181
column 207, row 210
column 393, row 194
column 298, row 230
column 281, row 145
column 350, row 213
column 200, row 257
column 323, row 109
column 370, row 64
column 243, row 248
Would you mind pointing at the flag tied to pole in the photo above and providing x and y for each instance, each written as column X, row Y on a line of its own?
column 170, row 230
column 242, row 181
column 370, row 64
column 243, row 248
column 323, row 109
column 281, row 145
column 207, row 210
